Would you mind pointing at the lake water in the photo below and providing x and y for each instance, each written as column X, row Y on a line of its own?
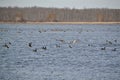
column 59, row 52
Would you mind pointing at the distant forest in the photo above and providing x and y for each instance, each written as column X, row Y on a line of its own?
column 39, row 14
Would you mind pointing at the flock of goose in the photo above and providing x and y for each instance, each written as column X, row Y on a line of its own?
column 7, row 45
column 35, row 50
column 57, row 45
column 109, row 42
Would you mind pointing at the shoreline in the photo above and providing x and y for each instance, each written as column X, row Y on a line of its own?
column 60, row 22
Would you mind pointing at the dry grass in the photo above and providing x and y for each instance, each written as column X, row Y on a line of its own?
column 66, row 22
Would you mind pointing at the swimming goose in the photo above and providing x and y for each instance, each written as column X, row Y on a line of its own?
column 6, row 45
column 30, row 44
column 103, row 48
column 35, row 50
column 45, row 48
column 114, row 49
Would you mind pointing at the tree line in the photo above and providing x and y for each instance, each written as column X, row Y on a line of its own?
column 40, row 14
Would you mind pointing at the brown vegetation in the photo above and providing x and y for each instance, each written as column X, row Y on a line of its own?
column 38, row 14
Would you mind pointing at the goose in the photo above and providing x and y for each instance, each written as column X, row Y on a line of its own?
column 74, row 41
column 115, row 40
column 70, row 46
column 6, row 45
column 9, row 42
column 89, row 45
column 60, row 40
column 35, row 50
column 45, row 48
column 30, row 44
column 114, row 49
column 103, row 48
column 40, row 31
column 109, row 42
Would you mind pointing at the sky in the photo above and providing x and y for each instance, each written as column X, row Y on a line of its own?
column 114, row 4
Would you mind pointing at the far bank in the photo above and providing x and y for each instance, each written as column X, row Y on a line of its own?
column 61, row 22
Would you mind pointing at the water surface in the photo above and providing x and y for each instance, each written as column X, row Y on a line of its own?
column 73, row 52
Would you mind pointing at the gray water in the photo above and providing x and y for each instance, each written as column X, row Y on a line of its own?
column 71, row 52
